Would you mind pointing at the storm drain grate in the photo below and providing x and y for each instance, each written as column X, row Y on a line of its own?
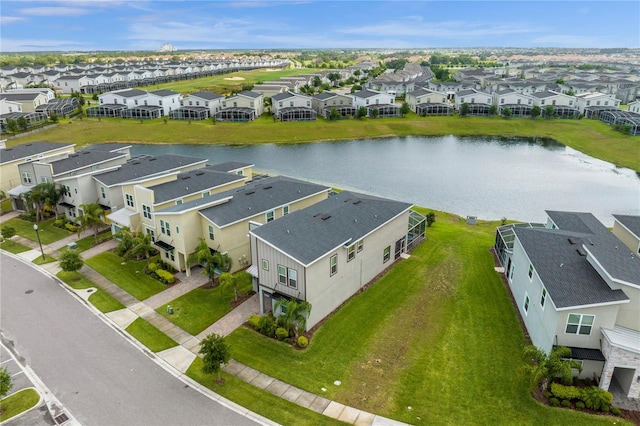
column 61, row 418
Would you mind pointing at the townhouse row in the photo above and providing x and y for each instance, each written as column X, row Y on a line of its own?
column 297, row 239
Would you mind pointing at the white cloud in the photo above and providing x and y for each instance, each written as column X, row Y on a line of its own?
column 28, row 45
column 6, row 20
column 54, row 11
column 451, row 29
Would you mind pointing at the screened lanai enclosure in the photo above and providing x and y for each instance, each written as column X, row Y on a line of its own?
column 594, row 112
column 296, row 114
column 417, row 228
column 106, row 110
column 61, row 106
column 504, row 240
column 563, row 112
column 32, row 118
column 478, row 109
column 146, row 112
column 517, row 110
column 433, row 109
column 384, row 110
column 622, row 118
column 190, row 113
column 236, row 114
column 344, row 111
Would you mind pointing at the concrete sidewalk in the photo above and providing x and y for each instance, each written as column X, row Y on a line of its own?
column 234, row 319
column 186, row 284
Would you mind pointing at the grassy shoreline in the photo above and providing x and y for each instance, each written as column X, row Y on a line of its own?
column 591, row 137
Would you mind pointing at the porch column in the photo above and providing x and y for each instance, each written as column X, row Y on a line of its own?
column 607, row 374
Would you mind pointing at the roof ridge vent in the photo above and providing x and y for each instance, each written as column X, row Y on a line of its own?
column 572, row 240
column 581, row 251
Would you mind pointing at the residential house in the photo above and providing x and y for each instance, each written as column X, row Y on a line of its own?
column 7, row 106
column 627, row 229
column 326, row 253
column 428, row 102
column 520, row 104
column 291, row 106
column 323, row 103
column 634, row 106
column 577, row 285
column 11, row 158
column 479, row 102
column 29, row 100
column 372, row 100
column 245, row 106
column 225, row 218
column 590, row 104
column 564, row 105
column 198, row 106
column 73, row 83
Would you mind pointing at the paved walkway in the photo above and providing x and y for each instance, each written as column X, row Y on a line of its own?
column 181, row 356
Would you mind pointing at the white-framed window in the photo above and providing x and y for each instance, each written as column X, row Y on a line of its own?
column 579, row 324
column 527, row 302
column 178, row 202
column 333, row 265
column 360, row 245
column 146, row 211
column 282, row 275
column 152, row 233
column 386, row 254
column 165, row 228
column 285, row 210
column 543, row 297
column 211, row 234
column 103, row 193
column 177, row 229
column 170, row 255
column 265, row 264
column 270, row 216
column 205, row 194
column 44, row 179
column 351, row 252
column 129, row 199
column 293, row 278
column 530, row 271
column 26, row 177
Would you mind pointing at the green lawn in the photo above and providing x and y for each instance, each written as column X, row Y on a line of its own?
column 6, row 206
column 130, row 276
column 89, row 242
column 19, row 402
column 437, row 333
column 592, row 137
column 13, row 247
column 48, row 232
column 198, row 309
column 47, row 259
column 259, row 401
column 102, row 300
column 150, row 336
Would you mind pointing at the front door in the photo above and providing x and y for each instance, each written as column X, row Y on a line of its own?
column 267, row 303
column 400, row 247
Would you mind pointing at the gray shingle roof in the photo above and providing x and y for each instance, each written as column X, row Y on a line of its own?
column 282, row 96
column 309, row 234
column 146, row 166
column 110, row 147
column 544, row 94
column 324, row 95
column 229, row 166
column 632, row 223
column 250, row 94
column 206, row 95
column 28, row 150
column 82, row 159
column 130, row 93
column 192, row 182
column 164, row 92
column 568, row 277
column 16, row 97
column 365, row 93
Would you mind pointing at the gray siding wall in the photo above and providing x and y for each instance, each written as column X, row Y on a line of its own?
column 269, row 278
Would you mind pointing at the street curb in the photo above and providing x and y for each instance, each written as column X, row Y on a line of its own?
column 36, row 405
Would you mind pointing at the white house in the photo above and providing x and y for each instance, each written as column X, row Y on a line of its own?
column 289, row 106
column 520, row 104
column 245, row 106
column 634, row 106
column 591, row 102
column 428, row 102
column 564, row 105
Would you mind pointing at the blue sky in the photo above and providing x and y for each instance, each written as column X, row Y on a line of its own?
column 86, row 25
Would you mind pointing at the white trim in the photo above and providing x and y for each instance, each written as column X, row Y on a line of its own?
column 199, row 206
column 85, row 166
column 593, row 305
column 89, row 173
column 617, row 280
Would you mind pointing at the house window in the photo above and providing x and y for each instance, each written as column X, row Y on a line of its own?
column 165, row 228
column 543, row 298
column 178, row 202
column 285, row 210
column 206, row 194
column 265, row 264
column 333, row 265
column 282, row 275
column 129, row 198
column 351, row 252
column 169, row 255
column 386, row 254
column 360, row 245
column 26, row 177
column 525, row 305
column 211, row 234
column 146, row 211
column 44, row 179
column 270, row 216
column 530, row 271
column 293, row 278
column 579, row 324
column 152, row 233
column 103, row 193
column 177, row 229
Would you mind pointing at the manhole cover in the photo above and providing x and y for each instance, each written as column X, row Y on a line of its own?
column 28, row 292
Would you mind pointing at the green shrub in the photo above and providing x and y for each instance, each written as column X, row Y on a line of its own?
column 547, row 394
column 596, row 398
column 29, row 217
column 70, row 227
column 580, row 405
column 152, row 267
column 59, row 223
column 605, row 409
column 267, row 325
column 7, row 231
column 281, row 333
column 565, row 403
column 165, row 276
column 254, row 321
column 303, row 342
column 588, row 382
column 554, row 401
column 615, row 411
column 565, row 392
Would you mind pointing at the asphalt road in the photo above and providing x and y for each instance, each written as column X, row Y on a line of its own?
column 91, row 368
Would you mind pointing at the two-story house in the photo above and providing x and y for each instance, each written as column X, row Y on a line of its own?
column 382, row 103
column 198, row 106
column 520, row 104
column 323, row 103
column 428, row 102
column 289, row 106
column 479, row 102
column 564, row 105
column 590, row 104
column 245, row 106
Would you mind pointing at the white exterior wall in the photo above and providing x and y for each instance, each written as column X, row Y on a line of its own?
column 473, row 98
column 379, row 99
column 9, row 106
column 214, row 105
column 628, row 238
column 115, row 98
column 168, row 103
column 595, row 99
column 513, row 98
column 559, row 99
column 634, row 107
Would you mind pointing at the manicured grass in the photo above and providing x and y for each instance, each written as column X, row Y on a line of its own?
column 438, row 333
column 13, row 247
column 591, row 137
column 18, row 402
column 130, row 276
column 150, row 336
column 48, row 232
column 198, row 309
column 6, row 206
column 102, row 300
column 89, row 242
column 47, row 259
column 259, row 401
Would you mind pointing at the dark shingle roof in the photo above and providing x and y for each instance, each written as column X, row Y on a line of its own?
column 282, row 96
column 192, row 182
column 632, row 223
column 164, row 92
column 82, row 159
column 29, row 150
column 365, row 93
column 206, row 95
column 250, row 94
column 130, row 93
column 567, row 275
column 229, row 166
column 146, row 166
column 24, row 96
column 310, row 234
column 110, row 147
column 324, row 95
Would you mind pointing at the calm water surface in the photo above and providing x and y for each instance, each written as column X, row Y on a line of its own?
column 485, row 177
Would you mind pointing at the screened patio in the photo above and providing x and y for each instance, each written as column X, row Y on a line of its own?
column 296, row 114
column 384, row 110
column 190, row 113
column 33, row 118
column 145, row 112
column 106, row 110
column 479, row 109
column 563, row 112
column 344, row 111
column 594, row 112
column 622, row 118
column 517, row 110
column 236, row 114
column 61, row 106
column 417, row 228
column 433, row 109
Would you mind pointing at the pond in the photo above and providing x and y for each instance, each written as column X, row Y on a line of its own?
column 488, row 177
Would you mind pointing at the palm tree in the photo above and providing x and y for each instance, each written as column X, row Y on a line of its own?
column 294, row 315
column 53, row 196
column 91, row 218
column 543, row 367
column 141, row 246
column 202, row 255
column 36, row 198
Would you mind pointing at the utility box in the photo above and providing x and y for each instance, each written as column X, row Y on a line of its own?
column 72, row 246
column 472, row 220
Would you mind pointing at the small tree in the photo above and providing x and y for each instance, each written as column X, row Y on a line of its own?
column 464, row 109
column 215, row 352
column 91, row 218
column 5, row 382
column 493, row 110
column 362, row 112
column 12, row 125
column 71, row 261
column 506, row 112
column 543, row 367
column 404, row 109
column 53, row 116
column 549, row 111
column 334, row 114
column 431, row 218
column 7, row 231
column 229, row 280
column 535, row 111
column 22, row 124
column 375, row 112
column 294, row 315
